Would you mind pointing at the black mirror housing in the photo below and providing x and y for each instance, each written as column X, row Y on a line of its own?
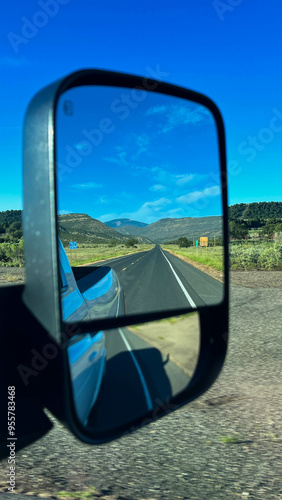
column 41, row 294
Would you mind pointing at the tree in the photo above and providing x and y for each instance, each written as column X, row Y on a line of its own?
column 183, row 242
column 113, row 243
column 237, row 230
column 131, row 242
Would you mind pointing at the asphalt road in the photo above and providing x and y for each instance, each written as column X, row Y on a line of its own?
column 155, row 280
column 186, row 455
column 138, row 378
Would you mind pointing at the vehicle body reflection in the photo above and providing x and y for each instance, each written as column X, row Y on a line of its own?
column 82, row 299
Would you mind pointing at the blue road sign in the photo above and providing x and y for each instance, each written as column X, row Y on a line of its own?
column 197, row 243
column 73, row 245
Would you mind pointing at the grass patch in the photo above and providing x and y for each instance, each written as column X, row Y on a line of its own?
column 70, row 495
column 93, row 253
column 244, row 255
column 209, row 256
column 230, row 439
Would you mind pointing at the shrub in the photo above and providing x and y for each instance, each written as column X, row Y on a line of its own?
column 184, row 242
column 131, row 243
column 267, row 256
column 11, row 254
column 271, row 258
column 112, row 243
column 242, row 257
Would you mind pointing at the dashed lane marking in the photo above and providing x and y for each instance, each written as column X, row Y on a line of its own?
column 132, row 263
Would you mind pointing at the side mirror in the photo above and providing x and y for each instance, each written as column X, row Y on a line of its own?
column 125, row 175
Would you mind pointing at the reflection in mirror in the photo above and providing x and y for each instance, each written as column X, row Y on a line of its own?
column 121, row 375
column 139, row 202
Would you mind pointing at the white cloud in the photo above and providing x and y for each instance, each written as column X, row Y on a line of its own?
column 82, row 146
column 171, row 180
column 182, row 115
column 107, row 217
column 120, row 159
column 103, row 200
column 150, row 211
column 142, row 142
column 173, row 212
column 86, row 185
column 156, row 110
column 158, row 187
column 157, row 204
column 184, row 179
column 197, row 195
column 64, row 212
column 177, row 114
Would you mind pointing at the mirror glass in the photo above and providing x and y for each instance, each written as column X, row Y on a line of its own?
column 139, row 203
column 121, row 375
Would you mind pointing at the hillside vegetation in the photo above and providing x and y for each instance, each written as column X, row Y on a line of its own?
column 262, row 210
column 255, row 234
column 171, row 228
column 11, row 238
column 84, row 229
column 255, row 231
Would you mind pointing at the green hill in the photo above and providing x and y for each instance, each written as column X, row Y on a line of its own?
column 261, row 210
column 84, row 229
column 170, row 229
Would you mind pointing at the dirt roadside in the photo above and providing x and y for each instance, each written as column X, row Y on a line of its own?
column 248, row 279
column 177, row 337
column 12, row 276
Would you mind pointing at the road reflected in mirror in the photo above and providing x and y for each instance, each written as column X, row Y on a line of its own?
column 139, row 195
column 132, row 371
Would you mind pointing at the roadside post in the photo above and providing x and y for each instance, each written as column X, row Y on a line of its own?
column 73, row 246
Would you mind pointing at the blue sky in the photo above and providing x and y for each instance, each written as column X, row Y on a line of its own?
column 230, row 50
column 155, row 158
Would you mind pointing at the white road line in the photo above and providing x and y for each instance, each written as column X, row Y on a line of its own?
column 188, row 297
column 141, row 376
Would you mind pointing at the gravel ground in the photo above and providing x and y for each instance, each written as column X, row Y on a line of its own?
column 225, row 445
column 11, row 275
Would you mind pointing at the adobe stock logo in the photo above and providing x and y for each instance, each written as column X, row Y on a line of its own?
column 31, row 27
column 221, row 7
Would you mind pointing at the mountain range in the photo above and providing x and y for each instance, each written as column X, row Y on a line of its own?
column 84, row 229
column 118, row 223
column 170, row 229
